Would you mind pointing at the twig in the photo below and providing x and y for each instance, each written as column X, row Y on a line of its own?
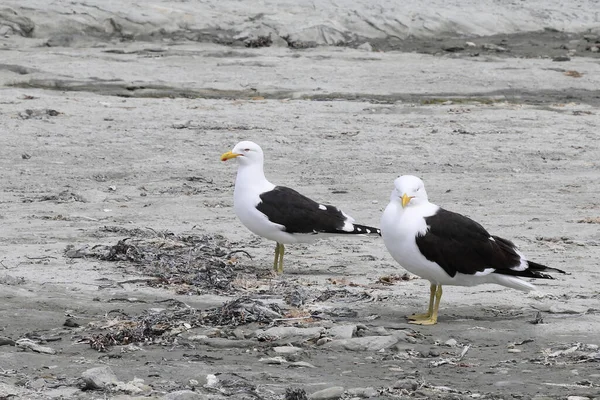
column 292, row 319
column 39, row 258
column 239, row 251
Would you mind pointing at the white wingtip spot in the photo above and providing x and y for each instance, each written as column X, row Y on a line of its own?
column 322, row 207
column 368, row 231
column 359, row 229
column 492, row 239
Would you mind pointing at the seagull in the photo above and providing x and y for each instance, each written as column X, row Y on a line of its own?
column 279, row 213
column 447, row 248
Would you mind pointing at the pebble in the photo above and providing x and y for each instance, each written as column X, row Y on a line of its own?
column 287, row 349
column 407, row 384
column 366, row 46
column 184, row 395
column 366, row 343
column 577, row 398
column 362, row 392
column 99, row 378
column 450, row 343
column 31, row 345
column 37, row 384
column 494, row 47
column 380, row 331
column 514, row 350
column 342, row 331
column 334, row 392
column 289, row 332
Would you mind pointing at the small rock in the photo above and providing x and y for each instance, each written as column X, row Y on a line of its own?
column 99, row 378
column 453, row 49
column 334, row 392
column 31, row 345
column 342, row 331
column 380, row 331
column 287, row 349
column 594, row 49
column 37, row 384
column 366, row 343
column 61, row 393
column 561, row 58
column 450, row 343
column 70, row 323
column 184, row 395
column 577, row 398
column 25, row 156
column 273, row 360
column 470, row 44
column 289, row 333
column 366, row 46
column 181, row 125
column 301, row 364
column 239, row 334
column 493, row 47
column 407, row 384
column 514, row 350
column 363, row 392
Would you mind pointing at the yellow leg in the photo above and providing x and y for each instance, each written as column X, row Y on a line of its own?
column 432, row 320
column 276, row 256
column 427, row 315
column 281, row 251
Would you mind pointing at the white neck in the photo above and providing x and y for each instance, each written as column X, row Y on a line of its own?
column 251, row 178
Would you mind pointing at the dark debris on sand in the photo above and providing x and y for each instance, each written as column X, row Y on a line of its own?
column 162, row 327
column 192, row 264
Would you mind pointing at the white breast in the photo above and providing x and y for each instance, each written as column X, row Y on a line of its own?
column 399, row 228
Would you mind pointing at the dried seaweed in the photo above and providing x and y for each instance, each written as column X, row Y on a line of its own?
column 243, row 310
column 163, row 327
column 193, row 264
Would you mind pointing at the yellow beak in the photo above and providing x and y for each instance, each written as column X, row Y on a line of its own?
column 405, row 199
column 229, row 155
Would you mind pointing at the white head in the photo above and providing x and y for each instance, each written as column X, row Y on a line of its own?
column 246, row 153
column 409, row 191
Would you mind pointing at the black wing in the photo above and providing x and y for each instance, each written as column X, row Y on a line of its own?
column 459, row 244
column 299, row 214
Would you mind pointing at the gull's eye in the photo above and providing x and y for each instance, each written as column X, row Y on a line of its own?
column 246, row 150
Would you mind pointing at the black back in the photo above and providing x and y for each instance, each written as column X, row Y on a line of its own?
column 299, row 214
column 459, row 244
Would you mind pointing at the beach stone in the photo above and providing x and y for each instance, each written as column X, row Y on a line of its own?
column 289, row 332
column 362, row 392
column 451, row 343
column 99, row 378
column 366, row 46
column 63, row 393
column 287, row 349
column 334, row 392
column 366, row 343
column 577, row 398
column 184, row 395
column 38, row 383
column 343, row 331
column 407, row 384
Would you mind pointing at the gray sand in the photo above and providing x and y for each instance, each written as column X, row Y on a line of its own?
column 509, row 139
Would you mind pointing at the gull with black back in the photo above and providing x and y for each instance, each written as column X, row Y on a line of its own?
column 447, row 248
column 279, row 213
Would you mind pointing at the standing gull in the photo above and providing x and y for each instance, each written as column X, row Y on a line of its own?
column 280, row 213
column 447, row 248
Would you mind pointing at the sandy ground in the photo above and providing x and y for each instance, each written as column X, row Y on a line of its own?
column 129, row 136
